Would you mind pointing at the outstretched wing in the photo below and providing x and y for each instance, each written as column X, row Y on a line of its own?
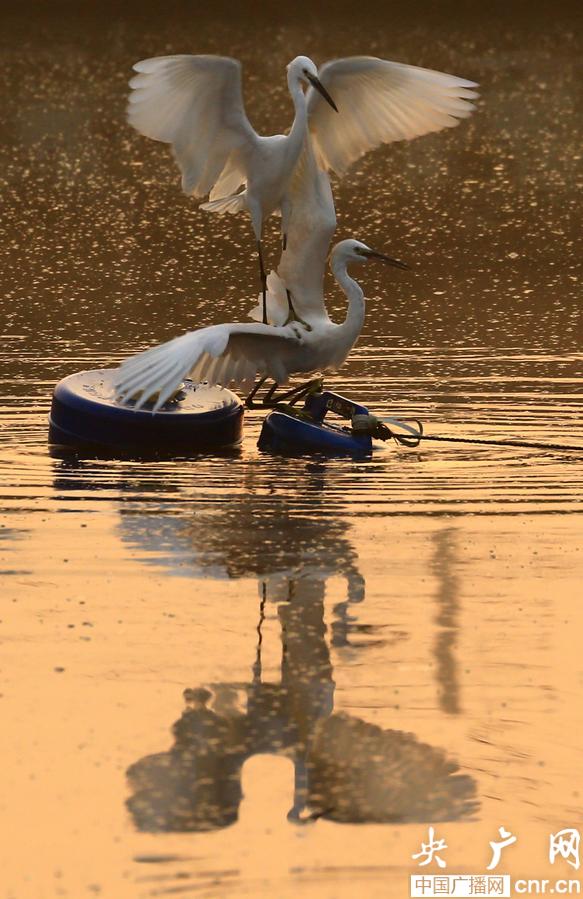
column 194, row 103
column 379, row 102
column 221, row 354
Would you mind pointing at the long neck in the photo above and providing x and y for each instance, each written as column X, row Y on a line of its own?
column 352, row 324
column 298, row 129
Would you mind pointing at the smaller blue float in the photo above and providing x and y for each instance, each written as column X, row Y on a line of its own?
column 86, row 416
column 291, row 429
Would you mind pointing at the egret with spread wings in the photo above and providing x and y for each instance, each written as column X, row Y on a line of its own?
column 195, row 104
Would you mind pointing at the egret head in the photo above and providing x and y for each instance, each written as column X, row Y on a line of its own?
column 348, row 251
column 303, row 69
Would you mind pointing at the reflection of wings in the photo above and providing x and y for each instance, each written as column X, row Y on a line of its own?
column 186, row 789
column 358, row 772
column 194, row 103
column 380, row 102
column 221, row 354
column 303, row 263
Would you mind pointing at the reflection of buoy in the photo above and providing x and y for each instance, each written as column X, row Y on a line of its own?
column 85, row 415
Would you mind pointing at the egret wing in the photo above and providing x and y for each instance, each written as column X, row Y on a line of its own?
column 225, row 354
column 194, row 103
column 379, row 102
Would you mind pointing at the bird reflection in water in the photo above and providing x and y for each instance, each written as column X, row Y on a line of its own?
column 346, row 769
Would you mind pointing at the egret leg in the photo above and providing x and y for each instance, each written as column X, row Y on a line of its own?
column 292, row 315
column 249, row 399
column 266, row 400
column 285, row 220
column 271, row 400
column 316, row 385
column 263, row 282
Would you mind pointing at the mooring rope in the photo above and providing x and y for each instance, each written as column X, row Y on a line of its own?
column 528, row 444
column 414, row 436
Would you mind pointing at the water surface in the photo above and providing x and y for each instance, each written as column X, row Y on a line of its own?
column 263, row 676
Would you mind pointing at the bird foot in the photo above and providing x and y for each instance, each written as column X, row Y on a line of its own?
column 271, row 399
column 293, row 318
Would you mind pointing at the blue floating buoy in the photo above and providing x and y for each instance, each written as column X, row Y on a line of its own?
column 304, row 430
column 85, row 415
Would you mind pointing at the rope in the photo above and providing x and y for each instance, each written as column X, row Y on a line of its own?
column 377, row 428
column 528, row 444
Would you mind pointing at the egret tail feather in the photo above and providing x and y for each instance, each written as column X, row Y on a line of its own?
column 232, row 204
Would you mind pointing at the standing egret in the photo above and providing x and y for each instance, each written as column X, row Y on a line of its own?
column 195, row 103
column 237, row 353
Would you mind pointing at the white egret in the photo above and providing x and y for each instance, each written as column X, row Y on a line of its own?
column 195, row 103
column 237, row 353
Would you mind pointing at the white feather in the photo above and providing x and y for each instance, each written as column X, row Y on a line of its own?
column 277, row 303
column 194, row 103
column 379, row 102
column 231, row 353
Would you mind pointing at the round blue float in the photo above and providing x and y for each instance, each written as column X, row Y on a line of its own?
column 85, row 415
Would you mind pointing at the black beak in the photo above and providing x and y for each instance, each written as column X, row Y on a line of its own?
column 372, row 254
column 317, row 84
